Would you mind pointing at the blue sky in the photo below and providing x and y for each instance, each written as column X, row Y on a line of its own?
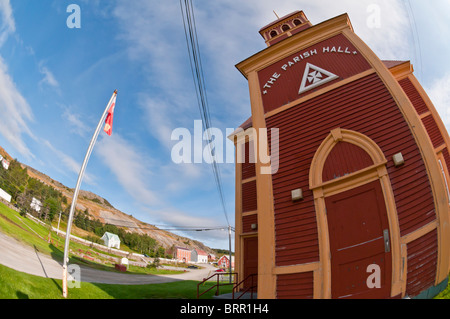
column 55, row 83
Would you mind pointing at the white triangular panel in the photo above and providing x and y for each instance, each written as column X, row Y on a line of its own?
column 314, row 77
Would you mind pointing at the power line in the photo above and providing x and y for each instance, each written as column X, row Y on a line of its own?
column 193, row 48
column 417, row 33
column 176, row 228
column 167, row 227
column 414, row 32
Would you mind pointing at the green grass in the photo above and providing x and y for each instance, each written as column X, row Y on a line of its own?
column 36, row 235
column 444, row 294
column 12, row 225
column 18, row 285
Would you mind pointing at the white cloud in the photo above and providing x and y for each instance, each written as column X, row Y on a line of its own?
column 164, row 64
column 14, row 109
column 71, row 164
column 389, row 39
column 154, row 187
column 173, row 217
column 49, row 78
column 8, row 25
column 142, row 175
column 15, row 113
column 143, row 26
column 77, row 125
column 439, row 93
column 132, row 169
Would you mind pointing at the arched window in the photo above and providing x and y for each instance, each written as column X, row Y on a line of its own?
column 297, row 22
column 285, row 27
column 273, row 33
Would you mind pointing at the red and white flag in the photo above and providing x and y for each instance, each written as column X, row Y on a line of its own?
column 109, row 117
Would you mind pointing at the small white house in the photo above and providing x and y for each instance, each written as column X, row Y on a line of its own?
column 5, row 195
column 111, row 240
column 5, row 163
column 199, row 256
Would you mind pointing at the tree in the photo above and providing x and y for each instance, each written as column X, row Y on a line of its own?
column 53, row 207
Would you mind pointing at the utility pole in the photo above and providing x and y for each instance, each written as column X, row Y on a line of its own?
column 229, row 242
column 59, row 220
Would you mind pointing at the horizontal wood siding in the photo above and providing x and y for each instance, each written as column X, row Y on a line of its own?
column 247, row 222
column 419, row 104
column 422, row 263
column 249, row 202
column 280, row 38
column 447, row 158
column 414, row 96
column 295, row 286
column 248, row 163
column 433, row 131
column 364, row 106
column 345, row 158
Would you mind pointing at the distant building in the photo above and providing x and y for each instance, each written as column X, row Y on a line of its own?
column 181, row 254
column 224, row 262
column 211, row 257
column 111, row 240
column 5, row 195
column 199, row 256
column 5, row 163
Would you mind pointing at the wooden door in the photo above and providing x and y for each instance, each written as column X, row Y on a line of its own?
column 250, row 261
column 359, row 237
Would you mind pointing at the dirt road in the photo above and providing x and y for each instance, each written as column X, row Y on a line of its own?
column 18, row 256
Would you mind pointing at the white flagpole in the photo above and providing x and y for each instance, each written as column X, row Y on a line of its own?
column 77, row 190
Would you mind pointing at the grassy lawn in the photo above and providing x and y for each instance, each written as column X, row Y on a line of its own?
column 444, row 294
column 36, row 235
column 18, row 285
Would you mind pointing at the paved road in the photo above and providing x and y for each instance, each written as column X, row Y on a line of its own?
column 18, row 256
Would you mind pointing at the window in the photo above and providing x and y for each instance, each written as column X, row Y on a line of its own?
column 297, row 22
column 273, row 33
column 285, row 27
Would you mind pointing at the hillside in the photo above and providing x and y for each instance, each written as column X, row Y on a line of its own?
column 99, row 208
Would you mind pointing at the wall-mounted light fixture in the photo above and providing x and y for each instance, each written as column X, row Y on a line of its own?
column 398, row 159
column 297, row 194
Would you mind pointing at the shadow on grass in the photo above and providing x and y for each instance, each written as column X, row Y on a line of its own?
column 181, row 289
column 43, row 268
column 176, row 289
column 21, row 295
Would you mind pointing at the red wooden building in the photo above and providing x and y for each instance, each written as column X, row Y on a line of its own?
column 224, row 262
column 357, row 205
